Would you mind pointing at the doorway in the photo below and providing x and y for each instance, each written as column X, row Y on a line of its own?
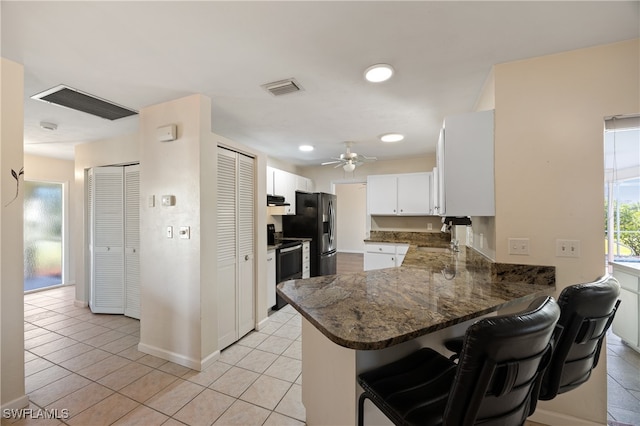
column 43, row 243
column 352, row 225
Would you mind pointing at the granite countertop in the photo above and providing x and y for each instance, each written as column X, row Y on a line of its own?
column 433, row 289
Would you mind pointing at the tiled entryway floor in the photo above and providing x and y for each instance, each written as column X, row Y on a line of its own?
column 89, row 365
column 623, row 383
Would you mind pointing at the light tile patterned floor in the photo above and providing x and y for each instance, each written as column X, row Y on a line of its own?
column 89, row 365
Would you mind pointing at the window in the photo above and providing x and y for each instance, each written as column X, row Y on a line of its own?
column 42, row 234
column 622, row 188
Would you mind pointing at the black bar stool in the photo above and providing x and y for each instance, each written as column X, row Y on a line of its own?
column 495, row 382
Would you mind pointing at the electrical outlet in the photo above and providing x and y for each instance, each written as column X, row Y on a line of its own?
column 519, row 246
column 568, row 248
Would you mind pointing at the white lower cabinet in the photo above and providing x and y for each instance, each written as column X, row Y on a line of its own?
column 306, row 259
column 384, row 255
column 626, row 323
column 271, row 278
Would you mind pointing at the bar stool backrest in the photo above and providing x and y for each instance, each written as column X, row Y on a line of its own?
column 501, row 366
column 587, row 313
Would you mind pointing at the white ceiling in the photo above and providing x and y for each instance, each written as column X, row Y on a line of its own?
column 141, row 53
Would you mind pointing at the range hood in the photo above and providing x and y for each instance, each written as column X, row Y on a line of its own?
column 276, row 200
column 276, row 205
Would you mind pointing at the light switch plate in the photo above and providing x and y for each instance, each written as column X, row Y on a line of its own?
column 169, row 231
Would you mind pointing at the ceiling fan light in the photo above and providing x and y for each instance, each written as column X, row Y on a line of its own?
column 305, row 148
column 391, row 137
column 378, row 73
column 349, row 166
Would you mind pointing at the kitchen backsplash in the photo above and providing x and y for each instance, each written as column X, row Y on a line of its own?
column 432, row 239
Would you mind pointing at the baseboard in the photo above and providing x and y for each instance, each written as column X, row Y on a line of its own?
column 180, row 359
column 16, row 404
column 80, row 304
column 262, row 324
column 553, row 418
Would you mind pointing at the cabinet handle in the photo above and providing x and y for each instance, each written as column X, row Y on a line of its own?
column 246, row 257
column 380, row 248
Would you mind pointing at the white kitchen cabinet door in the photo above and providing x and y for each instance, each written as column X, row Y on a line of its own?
column 271, row 278
column 284, row 183
column 466, row 165
column 106, row 239
column 270, row 172
column 382, row 195
column 414, row 194
column 132, row 241
column 236, row 259
column 379, row 261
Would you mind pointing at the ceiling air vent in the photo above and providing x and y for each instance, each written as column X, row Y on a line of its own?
column 69, row 97
column 282, row 87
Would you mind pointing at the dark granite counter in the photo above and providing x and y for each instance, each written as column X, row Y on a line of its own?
column 433, row 289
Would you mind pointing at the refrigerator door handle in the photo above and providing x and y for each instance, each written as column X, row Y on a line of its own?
column 332, row 223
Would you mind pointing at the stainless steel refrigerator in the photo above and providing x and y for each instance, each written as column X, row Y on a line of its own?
column 315, row 218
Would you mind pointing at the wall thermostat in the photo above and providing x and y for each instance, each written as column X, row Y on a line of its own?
column 167, row 133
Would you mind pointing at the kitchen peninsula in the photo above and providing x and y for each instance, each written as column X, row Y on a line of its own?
column 354, row 322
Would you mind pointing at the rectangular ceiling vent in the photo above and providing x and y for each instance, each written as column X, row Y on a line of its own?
column 69, row 97
column 282, row 87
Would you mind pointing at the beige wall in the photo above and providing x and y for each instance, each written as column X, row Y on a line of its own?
column 179, row 311
column 550, row 174
column 12, row 389
column 46, row 169
column 109, row 152
column 351, row 217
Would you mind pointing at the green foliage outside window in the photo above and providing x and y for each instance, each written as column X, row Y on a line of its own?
column 629, row 225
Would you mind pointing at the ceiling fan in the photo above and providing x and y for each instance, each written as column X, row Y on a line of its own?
column 349, row 160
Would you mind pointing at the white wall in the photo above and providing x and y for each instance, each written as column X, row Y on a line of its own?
column 351, row 217
column 46, row 169
column 12, row 389
column 108, row 152
column 549, row 165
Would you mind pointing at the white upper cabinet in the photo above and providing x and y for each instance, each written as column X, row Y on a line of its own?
column 284, row 183
column 270, row 172
column 406, row 194
column 280, row 182
column 465, row 165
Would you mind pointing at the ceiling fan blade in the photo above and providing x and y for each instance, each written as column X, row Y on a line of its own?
column 339, row 165
column 331, row 162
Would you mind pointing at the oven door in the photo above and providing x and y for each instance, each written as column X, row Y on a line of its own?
column 288, row 267
column 289, row 263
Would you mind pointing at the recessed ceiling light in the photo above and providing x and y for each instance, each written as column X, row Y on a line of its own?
column 305, row 148
column 391, row 137
column 378, row 73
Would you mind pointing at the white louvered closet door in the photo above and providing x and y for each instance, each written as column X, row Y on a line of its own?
column 236, row 260
column 246, row 221
column 106, row 240
column 227, row 249
column 132, row 241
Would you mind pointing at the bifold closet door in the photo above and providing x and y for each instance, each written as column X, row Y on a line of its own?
column 132, row 241
column 106, row 239
column 114, row 240
column 236, row 269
